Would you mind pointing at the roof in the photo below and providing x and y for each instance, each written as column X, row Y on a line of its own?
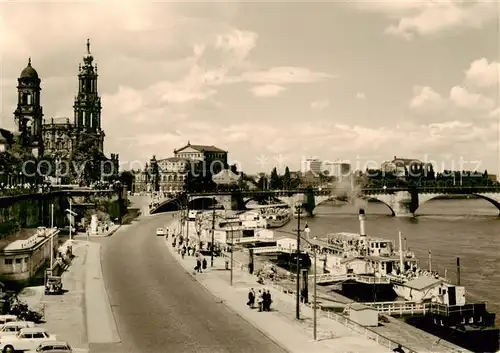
column 201, row 148
column 352, row 259
column 33, row 329
column 54, row 343
column 423, row 282
column 173, row 159
column 29, row 72
column 359, row 307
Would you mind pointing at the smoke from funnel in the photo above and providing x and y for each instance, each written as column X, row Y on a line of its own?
column 362, row 222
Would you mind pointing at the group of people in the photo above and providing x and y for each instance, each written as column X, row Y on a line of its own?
column 264, row 299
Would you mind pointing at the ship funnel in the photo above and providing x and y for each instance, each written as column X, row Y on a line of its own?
column 362, row 222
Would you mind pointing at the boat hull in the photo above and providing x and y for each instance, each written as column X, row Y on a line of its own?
column 368, row 292
column 484, row 339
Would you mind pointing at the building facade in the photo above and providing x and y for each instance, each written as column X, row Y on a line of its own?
column 22, row 258
column 173, row 174
column 61, row 136
column 341, row 171
column 400, row 167
column 313, row 165
column 29, row 112
column 205, row 160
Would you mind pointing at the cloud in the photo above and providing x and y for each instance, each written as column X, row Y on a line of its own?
column 483, row 74
column 320, row 105
column 465, row 99
column 425, row 18
column 267, row 90
column 283, row 75
column 360, row 95
column 425, row 97
column 495, row 113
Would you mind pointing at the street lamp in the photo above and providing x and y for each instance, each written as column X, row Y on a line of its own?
column 297, row 299
column 315, row 320
column 213, row 234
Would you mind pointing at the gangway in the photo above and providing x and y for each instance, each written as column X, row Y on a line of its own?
column 399, row 307
column 272, row 249
column 331, row 277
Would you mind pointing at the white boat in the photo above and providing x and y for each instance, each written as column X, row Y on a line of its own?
column 362, row 255
column 276, row 216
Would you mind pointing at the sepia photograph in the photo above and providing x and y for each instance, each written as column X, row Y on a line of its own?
column 266, row 176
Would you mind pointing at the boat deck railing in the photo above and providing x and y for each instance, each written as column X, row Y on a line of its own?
column 372, row 280
column 399, row 307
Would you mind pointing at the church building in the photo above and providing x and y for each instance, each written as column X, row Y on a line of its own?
column 58, row 138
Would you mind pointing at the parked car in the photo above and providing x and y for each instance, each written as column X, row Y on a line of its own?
column 28, row 339
column 160, row 232
column 13, row 327
column 7, row 318
column 54, row 347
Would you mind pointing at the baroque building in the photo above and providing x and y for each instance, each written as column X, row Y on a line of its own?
column 29, row 113
column 209, row 160
column 60, row 138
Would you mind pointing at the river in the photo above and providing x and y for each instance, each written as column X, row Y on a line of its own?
column 468, row 229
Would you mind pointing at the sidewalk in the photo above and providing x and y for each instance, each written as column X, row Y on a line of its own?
column 64, row 314
column 279, row 324
column 111, row 231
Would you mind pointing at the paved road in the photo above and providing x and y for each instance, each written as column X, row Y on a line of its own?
column 161, row 308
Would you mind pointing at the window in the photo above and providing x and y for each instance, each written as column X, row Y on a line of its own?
column 8, row 261
column 25, row 336
column 39, row 335
column 18, row 261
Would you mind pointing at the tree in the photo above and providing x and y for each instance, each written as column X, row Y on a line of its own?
column 275, row 182
column 127, row 178
column 234, row 168
column 86, row 160
column 286, row 178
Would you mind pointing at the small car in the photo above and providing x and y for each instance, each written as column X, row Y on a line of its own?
column 54, row 347
column 11, row 328
column 160, row 232
column 27, row 339
column 7, row 318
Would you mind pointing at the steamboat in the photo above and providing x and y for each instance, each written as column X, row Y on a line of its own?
column 370, row 270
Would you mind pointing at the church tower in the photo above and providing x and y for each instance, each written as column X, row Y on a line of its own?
column 87, row 105
column 29, row 114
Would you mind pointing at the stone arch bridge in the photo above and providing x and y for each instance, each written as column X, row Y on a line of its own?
column 402, row 202
column 405, row 202
column 237, row 200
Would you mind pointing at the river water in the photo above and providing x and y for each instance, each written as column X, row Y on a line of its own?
column 468, row 229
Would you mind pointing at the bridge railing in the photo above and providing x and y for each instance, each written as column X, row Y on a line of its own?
column 435, row 190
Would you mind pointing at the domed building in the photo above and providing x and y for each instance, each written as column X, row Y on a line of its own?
column 60, row 138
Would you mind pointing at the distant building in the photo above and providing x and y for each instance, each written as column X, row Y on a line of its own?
column 173, row 174
column 209, row 160
column 339, row 170
column 492, row 177
column 22, row 255
column 400, row 166
column 226, row 177
column 313, row 165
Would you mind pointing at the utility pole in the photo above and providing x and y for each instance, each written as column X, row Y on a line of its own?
column 52, row 236
column 232, row 251
column 70, row 217
column 297, row 304
column 187, row 219
column 213, row 234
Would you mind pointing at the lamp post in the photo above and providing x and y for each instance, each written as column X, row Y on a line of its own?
column 213, row 234
column 315, row 318
column 297, row 299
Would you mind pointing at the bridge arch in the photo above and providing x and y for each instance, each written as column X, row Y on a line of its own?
column 167, row 206
column 423, row 198
column 376, row 199
column 246, row 200
column 202, row 202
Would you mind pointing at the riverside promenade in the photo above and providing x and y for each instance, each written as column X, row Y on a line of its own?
column 279, row 324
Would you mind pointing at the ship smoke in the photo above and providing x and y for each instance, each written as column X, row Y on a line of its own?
column 362, row 222
column 347, row 190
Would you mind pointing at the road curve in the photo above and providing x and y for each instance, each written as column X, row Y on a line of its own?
column 161, row 308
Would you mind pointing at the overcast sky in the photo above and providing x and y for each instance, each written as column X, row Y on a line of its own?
column 271, row 82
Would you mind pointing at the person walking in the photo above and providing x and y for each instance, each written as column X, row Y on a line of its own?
column 198, row 266
column 269, row 300
column 204, row 262
column 251, row 298
column 260, row 300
